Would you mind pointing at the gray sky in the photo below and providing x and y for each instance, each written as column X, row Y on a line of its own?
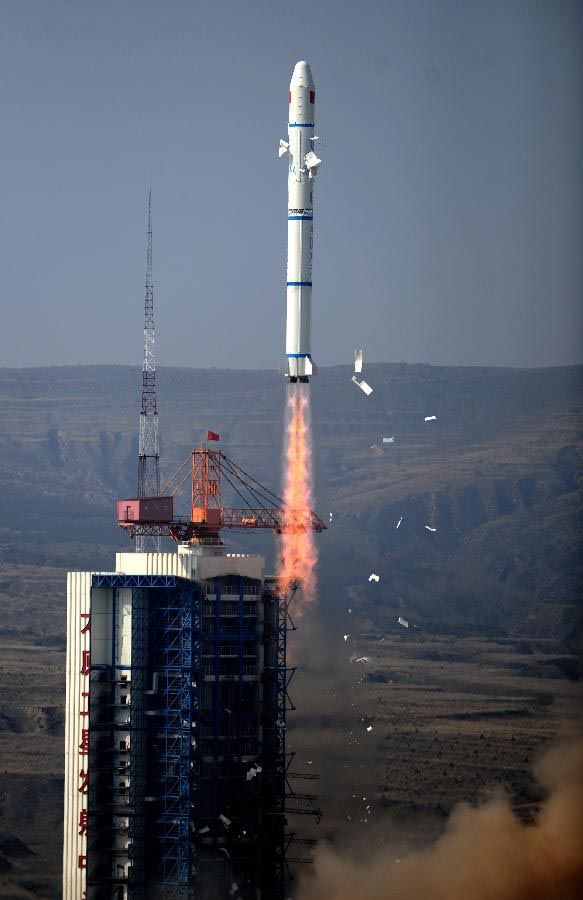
column 447, row 209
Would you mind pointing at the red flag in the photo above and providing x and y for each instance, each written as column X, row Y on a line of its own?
column 212, row 436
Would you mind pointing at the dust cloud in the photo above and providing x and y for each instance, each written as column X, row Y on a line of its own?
column 485, row 852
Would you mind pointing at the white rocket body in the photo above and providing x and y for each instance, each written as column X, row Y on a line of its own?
column 303, row 167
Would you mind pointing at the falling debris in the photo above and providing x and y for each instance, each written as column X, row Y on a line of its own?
column 403, row 622
column 312, row 162
column 366, row 388
column 226, row 822
column 204, row 830
column 346, row 636
column 225, row 851
column 388, row 440
column 369, row 728
column 357, row 361
column 360, row 659
column 431, row 418
column 253, row 772
column 373, row 577
column 330, row 514
column 429, row 528
column 398, row 525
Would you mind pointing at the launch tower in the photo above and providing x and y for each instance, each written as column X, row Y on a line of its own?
column 148, row 448
column 177, row 694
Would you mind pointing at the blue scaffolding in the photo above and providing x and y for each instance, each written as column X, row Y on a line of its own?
column 164, row 783
column 176, row 655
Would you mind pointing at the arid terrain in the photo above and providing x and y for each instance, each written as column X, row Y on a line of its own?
column 460, row 703
column 453, row 717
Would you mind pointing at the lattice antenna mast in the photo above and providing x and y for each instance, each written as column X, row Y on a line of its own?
column 149, row 451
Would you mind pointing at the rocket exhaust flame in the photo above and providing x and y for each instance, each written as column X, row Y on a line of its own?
column 298, row 555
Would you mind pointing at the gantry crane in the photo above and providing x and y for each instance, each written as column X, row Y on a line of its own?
column 206, row 468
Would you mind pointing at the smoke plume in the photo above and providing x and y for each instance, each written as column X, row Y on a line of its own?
column 485, row 853
column 298, row 555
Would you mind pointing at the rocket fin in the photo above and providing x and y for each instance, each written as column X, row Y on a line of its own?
column 283, row 147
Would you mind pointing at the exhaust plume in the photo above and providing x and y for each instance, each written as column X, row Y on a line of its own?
column 485, row 853
column 298, row 556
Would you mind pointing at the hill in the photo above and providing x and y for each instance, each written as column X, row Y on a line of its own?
column 493, row 581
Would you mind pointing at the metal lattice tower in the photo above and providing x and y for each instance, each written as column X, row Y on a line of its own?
column 149, row 450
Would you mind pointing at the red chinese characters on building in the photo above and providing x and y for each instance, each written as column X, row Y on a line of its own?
column 83, row 750
column 84, row 745
column 83, row 782
column 85, row 662
column 82, row 822
column 85, row 696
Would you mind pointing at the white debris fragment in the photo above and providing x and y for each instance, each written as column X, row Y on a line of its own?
column 226, row 821
column 373, row 577
column 253, row 772
column 330, row 514
column 403, row 622
column 204, row 830
column 358, row 360
column 366, row 388
column 369, row 728
column 388, row 440
column 429, row 528
column 360, row 659
column 346, row 636
column 349, row 611
column 225, row 851
column 398, row 525
column 431, row 418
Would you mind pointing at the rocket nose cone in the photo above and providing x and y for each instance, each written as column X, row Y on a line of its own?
column 302, row 75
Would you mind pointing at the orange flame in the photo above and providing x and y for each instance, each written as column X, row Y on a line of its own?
column 298, row 555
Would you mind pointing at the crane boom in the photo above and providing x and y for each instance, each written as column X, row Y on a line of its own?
column 154, row 516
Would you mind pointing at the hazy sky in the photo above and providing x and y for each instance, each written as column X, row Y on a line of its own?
column 447, row 209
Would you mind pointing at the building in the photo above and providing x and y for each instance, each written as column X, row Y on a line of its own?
column 175, row 766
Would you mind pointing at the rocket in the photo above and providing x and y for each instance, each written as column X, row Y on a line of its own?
column 303, row 168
